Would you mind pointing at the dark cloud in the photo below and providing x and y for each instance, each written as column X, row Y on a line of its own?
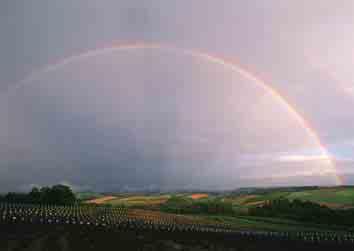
column 160, row 119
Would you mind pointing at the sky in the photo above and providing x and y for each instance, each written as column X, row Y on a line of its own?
column 113, row 94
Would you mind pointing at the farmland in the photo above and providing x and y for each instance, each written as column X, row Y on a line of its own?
column 145, row 201
column 233, row 207
column 197, row 196
column 73, row 238
column 167, row 221
column 334, row 197
column 101, row 200
column 337, row 197
column 87, row 227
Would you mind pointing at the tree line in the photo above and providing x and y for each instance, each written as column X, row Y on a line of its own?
column 182, row 205
column 55, row 195
column 305, row 211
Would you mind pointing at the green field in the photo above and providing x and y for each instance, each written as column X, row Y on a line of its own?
column 331, row 197
column 88, row 195
column 271, row 224
column 147, row 201
column 336, row 198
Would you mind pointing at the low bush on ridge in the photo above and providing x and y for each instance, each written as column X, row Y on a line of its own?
column 183, row 205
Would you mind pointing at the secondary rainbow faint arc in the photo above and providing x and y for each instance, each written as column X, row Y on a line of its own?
column 194, row 53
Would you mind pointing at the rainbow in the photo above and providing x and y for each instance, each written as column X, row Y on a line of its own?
column 231, row 65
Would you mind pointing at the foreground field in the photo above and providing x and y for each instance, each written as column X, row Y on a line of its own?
column 97, row 216
column 126, row 218
column 43, row 237
column 88, row 227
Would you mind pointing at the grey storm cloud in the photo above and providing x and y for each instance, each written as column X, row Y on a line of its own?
column 156, row 118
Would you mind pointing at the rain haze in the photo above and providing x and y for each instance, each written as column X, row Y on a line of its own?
column 111, row 95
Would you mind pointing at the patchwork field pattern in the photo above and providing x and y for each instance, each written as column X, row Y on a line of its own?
column 338, row 198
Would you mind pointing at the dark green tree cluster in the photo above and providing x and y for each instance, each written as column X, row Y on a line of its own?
column 55, row 195
column 304, row 211
column 183, row 205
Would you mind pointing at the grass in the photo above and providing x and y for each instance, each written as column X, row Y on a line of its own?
column 101, row 200
column 340, row 197
column 331, row 197
column 244, row 202
column 88, row 195
column 247, row 224
column 140, row 200
column 270, row 224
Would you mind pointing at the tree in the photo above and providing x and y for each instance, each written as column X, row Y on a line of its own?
column 62, row 195
column 56, row 195
column 35, row 195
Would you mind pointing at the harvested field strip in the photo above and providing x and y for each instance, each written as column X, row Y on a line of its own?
column 197, row 196
column 101, row 200
column 140, row 200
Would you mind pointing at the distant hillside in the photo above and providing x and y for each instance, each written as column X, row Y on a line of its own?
column 340, row 197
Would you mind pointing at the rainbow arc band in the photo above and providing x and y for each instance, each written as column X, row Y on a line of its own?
column 235, row 67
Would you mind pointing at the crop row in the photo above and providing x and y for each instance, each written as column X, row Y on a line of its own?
column 90, row 216
column 103, row 217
